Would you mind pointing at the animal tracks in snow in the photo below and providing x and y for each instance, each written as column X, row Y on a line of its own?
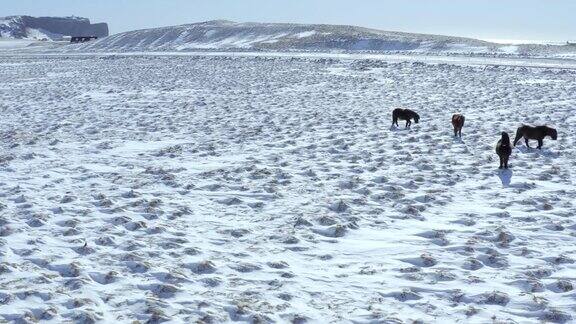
column 217, row 188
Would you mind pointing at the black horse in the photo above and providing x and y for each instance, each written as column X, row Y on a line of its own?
column 404, row 114
column 504, row 150
column 535, row 133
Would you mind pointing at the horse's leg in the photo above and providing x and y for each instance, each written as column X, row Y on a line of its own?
column 518, row 137
column 501, row 161
column 526, row 141
column 506, row 162
column 540, row 143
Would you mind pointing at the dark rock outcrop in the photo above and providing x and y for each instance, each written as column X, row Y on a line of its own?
column 53, row 27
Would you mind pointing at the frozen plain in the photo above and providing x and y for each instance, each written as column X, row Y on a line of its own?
column 256, row 188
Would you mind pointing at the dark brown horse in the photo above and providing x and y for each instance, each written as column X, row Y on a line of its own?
column 404, row 114
column 535, row 133
column 504, row 150
column 458, row 123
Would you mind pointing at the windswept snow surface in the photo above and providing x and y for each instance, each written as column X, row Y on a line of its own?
column 228, row 188
column 12, row 44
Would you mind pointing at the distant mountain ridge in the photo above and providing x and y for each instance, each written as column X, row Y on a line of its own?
column 49, row 28
column 223, row 34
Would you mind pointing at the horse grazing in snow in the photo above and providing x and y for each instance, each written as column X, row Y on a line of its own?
column 535, row 133
column 404, row 114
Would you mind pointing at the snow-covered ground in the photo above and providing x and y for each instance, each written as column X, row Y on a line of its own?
column 524, row 41
column 566, row 63
column 257, row 188
column 13, row 44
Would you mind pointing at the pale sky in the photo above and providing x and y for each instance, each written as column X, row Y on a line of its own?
column 550, row 20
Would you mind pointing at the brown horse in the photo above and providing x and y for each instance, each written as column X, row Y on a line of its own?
column 504, row 150
column 404, row 114
column 458, row 123
column 535, row 133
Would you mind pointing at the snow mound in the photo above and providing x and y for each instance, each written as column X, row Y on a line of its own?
column 223, row 34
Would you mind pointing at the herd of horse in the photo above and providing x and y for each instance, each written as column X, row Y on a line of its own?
column 503, row 146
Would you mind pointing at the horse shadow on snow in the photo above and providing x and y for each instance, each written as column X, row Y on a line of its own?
column 538, row 152
column 505, row 176
column 399, row 129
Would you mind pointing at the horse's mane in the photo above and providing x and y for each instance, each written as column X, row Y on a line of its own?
column 505, row 140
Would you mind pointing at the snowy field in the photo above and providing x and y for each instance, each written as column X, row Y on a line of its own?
column 272, row 189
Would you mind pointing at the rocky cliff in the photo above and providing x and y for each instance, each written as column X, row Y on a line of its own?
column 52, row 28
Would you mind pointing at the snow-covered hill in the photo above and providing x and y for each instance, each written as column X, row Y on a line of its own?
column 222, row 34
column 49, row 28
